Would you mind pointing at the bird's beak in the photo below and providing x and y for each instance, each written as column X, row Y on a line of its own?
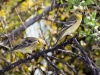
column 83, row 13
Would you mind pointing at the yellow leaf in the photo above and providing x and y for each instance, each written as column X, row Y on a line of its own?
column 54, row 26
column 61, row 9
column 24, row 4
column 19, row 55
column 47, row 3
column 2, row 13
column 51, row 12
column 60, row 65
column 40, row 11
column 30, row 3
column 62, row 17
column 48, row 22
column 67, row 14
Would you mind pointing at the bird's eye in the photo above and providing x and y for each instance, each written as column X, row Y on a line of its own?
column 79, row 11
column 38, row 41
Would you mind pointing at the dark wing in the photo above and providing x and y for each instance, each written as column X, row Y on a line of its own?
column 72, row 20
column 25, row 43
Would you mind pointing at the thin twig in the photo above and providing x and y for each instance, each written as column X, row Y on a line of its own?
column 89, row 62
column 64, row 63
column 19, row 16
column 52, row 64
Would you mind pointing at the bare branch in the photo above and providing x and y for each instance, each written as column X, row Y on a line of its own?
column 89, row 61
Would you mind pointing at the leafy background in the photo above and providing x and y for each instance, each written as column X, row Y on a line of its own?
column 14, row 13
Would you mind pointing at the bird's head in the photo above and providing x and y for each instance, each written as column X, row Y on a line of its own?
column 78, row 13
column 41, row 43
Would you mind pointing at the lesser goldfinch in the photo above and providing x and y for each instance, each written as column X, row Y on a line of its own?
column 29, row 44
column 72, row 24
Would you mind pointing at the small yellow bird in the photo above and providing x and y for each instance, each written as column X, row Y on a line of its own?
column 29, row 44
column 72, row 24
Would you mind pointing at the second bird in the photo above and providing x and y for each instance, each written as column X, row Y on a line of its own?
column 72, row 24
